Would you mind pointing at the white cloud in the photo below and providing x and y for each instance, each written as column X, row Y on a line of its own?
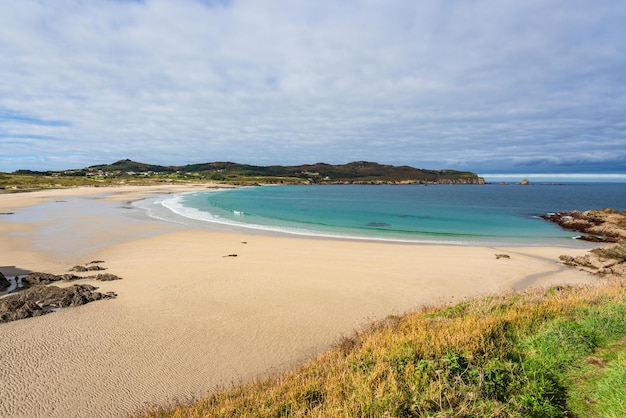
column 478, row 84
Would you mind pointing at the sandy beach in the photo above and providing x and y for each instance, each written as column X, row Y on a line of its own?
column 191, row 317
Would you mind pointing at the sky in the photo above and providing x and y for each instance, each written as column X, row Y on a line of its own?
column 490, row 86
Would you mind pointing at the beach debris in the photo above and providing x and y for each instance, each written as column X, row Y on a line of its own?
column 244, row 242
column 498, row 256
column 79, row 268
column 96, row 262
column 230, row 255
column 7, row 213
column 41, row 300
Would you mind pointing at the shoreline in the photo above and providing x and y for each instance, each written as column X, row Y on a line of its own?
column 190, row 317
column 165, row 209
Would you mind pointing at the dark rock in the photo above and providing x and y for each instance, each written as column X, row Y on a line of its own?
column 44, row 299
column 13, row 308
column 498, row 256
column 95, row 268
column 70, row 277
column 40, row 278
column 4, row 283
column 79, row 268
column 105, row 277
column 96, row 262
column 593, row 238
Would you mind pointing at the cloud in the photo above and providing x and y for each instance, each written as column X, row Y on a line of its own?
column 479, row 85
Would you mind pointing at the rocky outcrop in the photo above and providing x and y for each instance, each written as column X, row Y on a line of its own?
column 4, row 283
column 95, row 268
column 608, row 261
column 40, row 300
column 604, row 225
column 40, row 279
column 80, row 269
column 105, row 277
column 34, row 279
column 35, row 297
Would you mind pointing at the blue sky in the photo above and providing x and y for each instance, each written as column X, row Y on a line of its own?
column 517, row 86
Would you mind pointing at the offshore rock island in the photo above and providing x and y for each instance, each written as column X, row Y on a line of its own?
column 127, row 172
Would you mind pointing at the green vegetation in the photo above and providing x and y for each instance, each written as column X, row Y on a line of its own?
column 520, row 355
column 131, row 172
column 601, row 383
column 23, row 182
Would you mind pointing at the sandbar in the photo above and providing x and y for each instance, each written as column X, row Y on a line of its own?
column 190, row 317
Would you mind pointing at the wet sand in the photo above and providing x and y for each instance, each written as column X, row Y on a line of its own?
column 190, row 317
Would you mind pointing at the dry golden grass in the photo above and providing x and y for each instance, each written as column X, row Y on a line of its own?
column 488, row 357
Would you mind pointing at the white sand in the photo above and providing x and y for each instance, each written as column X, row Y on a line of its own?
column 188, row 319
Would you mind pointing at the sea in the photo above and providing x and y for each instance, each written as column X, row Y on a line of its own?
column 490, row 214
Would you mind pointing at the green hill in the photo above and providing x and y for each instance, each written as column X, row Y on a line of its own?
column 130, row 172
column 354, row 172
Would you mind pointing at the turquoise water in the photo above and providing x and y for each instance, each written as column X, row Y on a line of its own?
column 442, row 213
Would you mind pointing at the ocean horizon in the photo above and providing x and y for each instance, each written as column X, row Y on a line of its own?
column 555, row 177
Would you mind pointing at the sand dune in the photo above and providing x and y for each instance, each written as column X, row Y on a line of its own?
column 189, row 319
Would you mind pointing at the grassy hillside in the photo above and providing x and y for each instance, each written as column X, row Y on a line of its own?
column 554, row 353
column 23, row 182
column 132, row 172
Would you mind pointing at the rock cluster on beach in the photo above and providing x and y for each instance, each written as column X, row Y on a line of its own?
column 47, row 278
column 36, row 297
column 40, row 300
column 604, row 225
